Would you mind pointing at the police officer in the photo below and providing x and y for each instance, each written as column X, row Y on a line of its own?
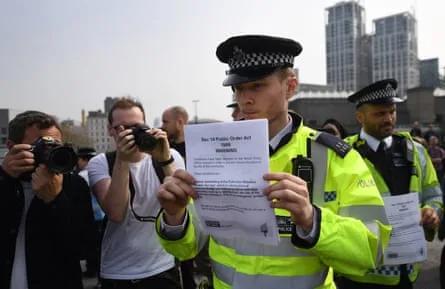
column 400, row 166
column 323, row 222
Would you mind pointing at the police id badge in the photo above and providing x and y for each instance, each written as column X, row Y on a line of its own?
column 284, row 225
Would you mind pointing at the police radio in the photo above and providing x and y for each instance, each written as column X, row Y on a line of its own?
column 304, row 169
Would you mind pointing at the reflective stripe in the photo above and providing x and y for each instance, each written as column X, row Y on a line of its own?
column 431, row 194
column 245, row 248
column 375, row 229
column 200, row 236
column 432, row 197
column 365, row 213
column 319, row 157
column 422, row 159
column 267, row 265
column 222, row 272
column 240, row 280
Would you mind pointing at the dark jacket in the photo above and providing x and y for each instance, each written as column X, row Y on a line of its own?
column 55, row 236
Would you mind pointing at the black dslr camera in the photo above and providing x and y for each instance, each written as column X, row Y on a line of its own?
column 59, row 158
column 144, row 140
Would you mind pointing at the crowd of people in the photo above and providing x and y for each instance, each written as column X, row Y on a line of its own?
column 130, row 212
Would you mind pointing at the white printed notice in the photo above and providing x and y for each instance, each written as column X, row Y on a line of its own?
column 407, row 243
column 228, row 161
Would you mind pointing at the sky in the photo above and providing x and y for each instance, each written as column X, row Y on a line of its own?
column 61, row 56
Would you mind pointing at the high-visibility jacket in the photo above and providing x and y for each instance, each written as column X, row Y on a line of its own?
column 424, row 182
column 352, row 224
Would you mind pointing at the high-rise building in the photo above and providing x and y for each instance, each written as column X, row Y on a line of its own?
column 365, row 62
column 429, row 73
column 6, row 115
column 394, row 50
column 345, row 28
column 108, row 103
column 97, row 128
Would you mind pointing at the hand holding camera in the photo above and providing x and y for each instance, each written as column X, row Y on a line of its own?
column 18, row 160
column 161, row 152
column 142, row 138
column 125, row 144
column 22, row 159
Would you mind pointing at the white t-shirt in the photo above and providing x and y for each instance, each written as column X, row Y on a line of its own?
column 131, row 249
column 19, row 278
column 84, row 174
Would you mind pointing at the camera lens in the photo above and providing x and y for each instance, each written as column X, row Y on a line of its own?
column 62, row 160
column 146, row 142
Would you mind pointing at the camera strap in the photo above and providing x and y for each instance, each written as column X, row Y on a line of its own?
column 111, row 157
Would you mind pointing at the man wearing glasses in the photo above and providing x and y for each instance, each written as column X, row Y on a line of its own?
column 131, row 254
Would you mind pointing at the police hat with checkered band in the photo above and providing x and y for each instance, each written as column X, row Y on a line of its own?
column 253, row 57
column 380, row 92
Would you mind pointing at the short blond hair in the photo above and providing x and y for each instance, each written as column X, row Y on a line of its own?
column 286, row 72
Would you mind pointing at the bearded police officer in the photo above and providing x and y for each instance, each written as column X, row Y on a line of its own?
column 324, row 222
column 402, row 169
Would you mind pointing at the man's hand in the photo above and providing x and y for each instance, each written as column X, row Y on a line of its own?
column 290, row 193
column 175, row 194
column 18, row 160
column 46, row 184
column 429, row 218
column 162, row 151
column 125, row 145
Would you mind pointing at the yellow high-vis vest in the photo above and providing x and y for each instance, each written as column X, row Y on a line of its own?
column 353, row 226
column 426, row 185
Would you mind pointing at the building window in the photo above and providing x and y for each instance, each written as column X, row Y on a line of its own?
column 4, row 130
column 379, row 27
column 389, row 25
column 3, row 141
column 347, row 27
column 339, row 12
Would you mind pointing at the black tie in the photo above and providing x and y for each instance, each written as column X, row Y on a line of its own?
column 382, row 148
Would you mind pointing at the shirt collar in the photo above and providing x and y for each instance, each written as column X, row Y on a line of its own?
column 372, row 142
column 275, row 141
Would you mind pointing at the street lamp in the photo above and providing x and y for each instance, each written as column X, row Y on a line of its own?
column 195, row 103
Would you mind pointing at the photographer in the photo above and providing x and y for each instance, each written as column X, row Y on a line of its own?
column 44, row 210
column 126, row 183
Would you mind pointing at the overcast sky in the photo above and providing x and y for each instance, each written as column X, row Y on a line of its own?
column 62, row 56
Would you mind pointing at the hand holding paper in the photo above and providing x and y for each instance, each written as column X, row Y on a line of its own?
column 175, row 194
column 290, row 193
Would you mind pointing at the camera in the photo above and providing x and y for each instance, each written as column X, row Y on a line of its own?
column 59, row 158
column 144, row 140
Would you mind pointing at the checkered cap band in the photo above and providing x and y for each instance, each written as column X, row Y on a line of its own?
column 387, row 92
column 330, row 196
column 244, row 60
column 390, row 271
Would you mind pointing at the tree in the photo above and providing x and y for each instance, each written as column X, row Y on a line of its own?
column 77, row 137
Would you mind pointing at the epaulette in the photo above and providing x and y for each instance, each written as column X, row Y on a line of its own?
column 337, row 145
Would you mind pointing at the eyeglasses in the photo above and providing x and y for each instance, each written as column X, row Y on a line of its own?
column 126, row 126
